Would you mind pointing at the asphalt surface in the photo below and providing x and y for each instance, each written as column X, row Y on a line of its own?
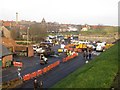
column 58, row 73
column 30, row 64
column 50, row 78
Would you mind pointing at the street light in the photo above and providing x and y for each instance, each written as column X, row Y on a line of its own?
column 27, row 35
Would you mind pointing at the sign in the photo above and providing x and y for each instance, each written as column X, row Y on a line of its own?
column 17, row 64
column 19, row 69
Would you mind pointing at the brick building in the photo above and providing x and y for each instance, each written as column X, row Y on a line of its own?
column 6, row 56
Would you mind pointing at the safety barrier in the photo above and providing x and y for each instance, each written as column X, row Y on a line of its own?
column 70, row 57
column 34, row 74
column 44, row 70
column 41, row 71
column 51, row 66
column 26, row 77
column 75, row 49
column 48, row 68
column 64, row 60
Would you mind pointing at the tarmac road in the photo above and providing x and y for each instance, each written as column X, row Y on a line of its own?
column 58, row 73
column 30, row 64
column 50, row 78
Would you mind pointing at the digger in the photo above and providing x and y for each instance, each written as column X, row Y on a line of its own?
column 43, row 59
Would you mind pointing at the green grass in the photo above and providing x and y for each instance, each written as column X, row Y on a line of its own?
column 102, row 31
column 66, row 33
column 99, row 73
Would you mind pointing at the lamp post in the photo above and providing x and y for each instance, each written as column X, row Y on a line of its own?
column 27, row 35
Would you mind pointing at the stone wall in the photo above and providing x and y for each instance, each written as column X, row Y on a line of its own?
column 108, row 39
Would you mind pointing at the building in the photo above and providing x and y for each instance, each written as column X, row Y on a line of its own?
column 63, row 28
column 52, row 27
column 6, row 56
column 5, row 32
column 85, row 27
column 43, row 26
column 71, row 28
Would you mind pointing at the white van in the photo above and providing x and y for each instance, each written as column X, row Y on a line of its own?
column 99, row 48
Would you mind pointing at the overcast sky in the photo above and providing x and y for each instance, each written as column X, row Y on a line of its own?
column 63, row 11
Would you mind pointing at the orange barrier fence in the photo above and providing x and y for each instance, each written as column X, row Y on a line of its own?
column 41, row 71
column 48, row 68
column 26, row 77
column 44, row 69
column 51, row 66
column 34, row 74
column 69, row 57
column 64, row 60
column 74, row 49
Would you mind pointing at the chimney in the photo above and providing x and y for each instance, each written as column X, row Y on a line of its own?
column 16, row 18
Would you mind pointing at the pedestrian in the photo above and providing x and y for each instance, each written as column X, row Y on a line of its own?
column 19, row 75
column 89, row 54
column 35, row 84
column 85, row 54
column 62, row 46
column 41, row 84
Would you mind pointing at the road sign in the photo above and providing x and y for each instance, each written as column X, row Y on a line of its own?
column 19, row 69
column 17, row 64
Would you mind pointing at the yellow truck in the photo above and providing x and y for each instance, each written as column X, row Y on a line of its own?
column 81, row 46
column 108, row 46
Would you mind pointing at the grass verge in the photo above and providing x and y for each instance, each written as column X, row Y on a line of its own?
column 99, row 73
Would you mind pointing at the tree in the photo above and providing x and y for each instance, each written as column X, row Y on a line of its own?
column 15, row 33
column 37, row 31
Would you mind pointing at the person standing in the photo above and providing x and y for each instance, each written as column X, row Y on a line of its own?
column 89, row 54
column 35, row 84
column 85, row 54
column 41, row 84
column 19, row 73
column 62, row 46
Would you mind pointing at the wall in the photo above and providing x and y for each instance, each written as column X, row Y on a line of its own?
column 30, row 51
column 6, row 58
column 97, row 38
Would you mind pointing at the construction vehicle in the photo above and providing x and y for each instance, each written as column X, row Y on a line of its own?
column 100, row 46
column 81, row 46
column 108, row 46
column 43, row 59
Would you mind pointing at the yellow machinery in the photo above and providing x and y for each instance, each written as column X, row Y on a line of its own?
column 81, row 46
column 60, row 50
column 108, row 45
